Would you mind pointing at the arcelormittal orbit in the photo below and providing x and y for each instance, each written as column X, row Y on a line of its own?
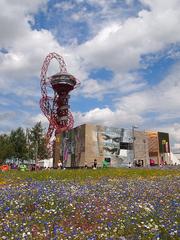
column 55, row 91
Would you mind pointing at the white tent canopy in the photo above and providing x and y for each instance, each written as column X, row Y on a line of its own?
column 46, row 163
column 175, row 159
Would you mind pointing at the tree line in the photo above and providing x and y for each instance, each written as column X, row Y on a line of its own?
column 22, row 144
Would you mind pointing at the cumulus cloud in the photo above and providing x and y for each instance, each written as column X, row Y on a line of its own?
column 32, row 120
column 155, row 105
column 151, row 108
column 119, row 46
column 107, row 117
column 26, row 49
column 116, row 43
column 14, row 19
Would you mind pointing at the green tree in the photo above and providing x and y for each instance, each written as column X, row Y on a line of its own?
column 6, row 148
column 36, row 139
column 18, row 142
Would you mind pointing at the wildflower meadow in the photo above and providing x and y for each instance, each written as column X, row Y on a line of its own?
column 89, row 204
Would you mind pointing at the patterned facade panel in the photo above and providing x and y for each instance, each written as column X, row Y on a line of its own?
column 73, row 147
column 164, row 146
column 81, row 145
column 141, row 148
column 116, row 145
column 153, row 143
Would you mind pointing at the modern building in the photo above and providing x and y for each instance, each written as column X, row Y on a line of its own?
column 141, row 150
column 118, row 147
column 159, row 147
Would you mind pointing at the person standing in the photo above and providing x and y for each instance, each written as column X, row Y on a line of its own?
column 95, row 163
column 60, row 165
column 130, row 165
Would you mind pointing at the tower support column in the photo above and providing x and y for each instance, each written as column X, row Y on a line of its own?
column 56, row 150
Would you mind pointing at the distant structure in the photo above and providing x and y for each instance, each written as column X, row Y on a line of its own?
column 116, row 147
column 175, row 157
column 55, row 91
column 80, row 146
column 159, row 147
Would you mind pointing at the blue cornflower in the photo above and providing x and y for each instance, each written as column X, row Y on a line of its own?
column 7, row 209
column 109, row 224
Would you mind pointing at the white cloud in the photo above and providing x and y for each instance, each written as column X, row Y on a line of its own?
column 163, row 98
column 151, row 108
column 29, row 102
column 10, row 120
column 14, row 19
column 65, row 6
column 127, row 82
column 7, row 120
column 119, row 45
column 107, row 117
column 94, row 89
column 7, row 115
column 27, row 54
column 176, row 147
column 37, row 118
column 27, row 48
column 157, row 5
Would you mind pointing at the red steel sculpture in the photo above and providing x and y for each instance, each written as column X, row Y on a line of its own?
column 55, row 96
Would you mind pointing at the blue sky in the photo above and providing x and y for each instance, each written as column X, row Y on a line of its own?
column 125, row 53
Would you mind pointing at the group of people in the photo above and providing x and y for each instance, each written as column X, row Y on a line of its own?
column 94, row 166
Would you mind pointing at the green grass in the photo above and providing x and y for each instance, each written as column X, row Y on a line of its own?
column 85, row 174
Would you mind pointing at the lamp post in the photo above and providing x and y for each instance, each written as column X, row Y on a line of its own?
column 145, row 162
column 133, row 137
column 35, row 149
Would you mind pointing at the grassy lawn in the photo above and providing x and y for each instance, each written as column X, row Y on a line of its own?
column 86, row 174
column 90, row 204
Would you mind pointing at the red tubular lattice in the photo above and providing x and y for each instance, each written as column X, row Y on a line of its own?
column 56, row 107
